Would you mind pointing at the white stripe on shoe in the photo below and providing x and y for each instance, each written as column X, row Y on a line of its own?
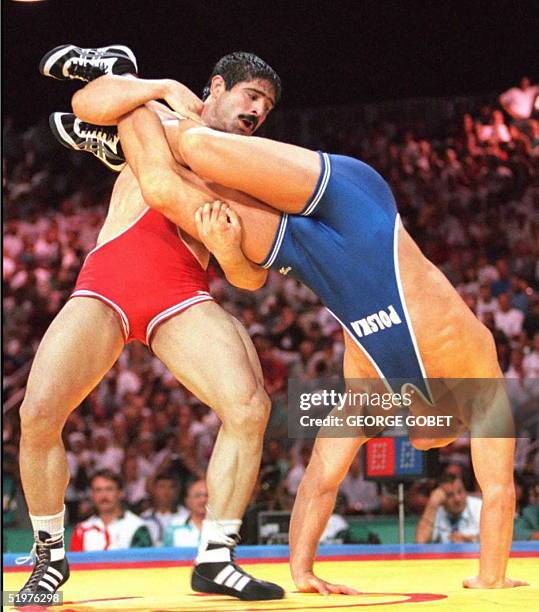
column 51, row 580
column 224, row 574
column 242, row 583
column 47, row 586
column 232, row 579
column 55, row 572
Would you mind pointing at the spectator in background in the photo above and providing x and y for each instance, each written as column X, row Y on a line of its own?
column 295, row 475
column 134, row 484
column 485, row 303
column 527, row 524
column 186, row 532
column 274, row 368
column 451, row 514
column 111, row 527
column 531, row 320
column 496, row 131
column 79, row 461
column 146, row 454
column 530, row 363
column 337, row 525
column 520, row 293
column 361, row 496
column 104, row 455
column 519, row 102
column 164, row 510
column 502, row 284
column 508, row 319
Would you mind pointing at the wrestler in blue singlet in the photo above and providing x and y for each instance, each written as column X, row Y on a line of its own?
column 344, row 246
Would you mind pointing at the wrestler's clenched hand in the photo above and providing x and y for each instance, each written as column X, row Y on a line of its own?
column 219, row 229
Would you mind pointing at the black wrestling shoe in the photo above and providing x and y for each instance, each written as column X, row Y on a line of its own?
column 100, row 140
column 70, row 62
column 225, row 577
column 48, row 574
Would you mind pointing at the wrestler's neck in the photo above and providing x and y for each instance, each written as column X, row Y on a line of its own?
column 210, row 116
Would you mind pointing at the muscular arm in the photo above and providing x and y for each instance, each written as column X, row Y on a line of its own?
column 241, row 272
column 219, row 228
column 313, row 507
column 177, row 193
column 106, row 99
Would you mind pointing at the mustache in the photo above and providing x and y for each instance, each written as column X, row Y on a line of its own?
column 252, row 118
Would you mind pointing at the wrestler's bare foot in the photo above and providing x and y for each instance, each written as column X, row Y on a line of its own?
column 474, row 582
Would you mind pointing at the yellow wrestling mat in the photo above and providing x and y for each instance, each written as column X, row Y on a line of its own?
column 418, row 584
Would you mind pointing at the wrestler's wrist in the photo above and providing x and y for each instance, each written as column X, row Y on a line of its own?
column 165, row 87
column 299, row 566
column 230, row 257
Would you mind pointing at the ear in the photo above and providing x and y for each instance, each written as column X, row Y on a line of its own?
column 217, row 86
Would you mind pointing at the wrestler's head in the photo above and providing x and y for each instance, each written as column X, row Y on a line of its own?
column 240, row 92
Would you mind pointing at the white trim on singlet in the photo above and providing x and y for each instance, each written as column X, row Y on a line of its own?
column 277, row 244
column 92, row 294
column 131, row 225
column 326, row 173
column 203, row 296
column 405, row 308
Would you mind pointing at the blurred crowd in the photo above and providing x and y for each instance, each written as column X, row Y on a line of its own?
column 467, row 191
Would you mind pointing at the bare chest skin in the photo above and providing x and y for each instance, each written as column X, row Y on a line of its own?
column 126, row 206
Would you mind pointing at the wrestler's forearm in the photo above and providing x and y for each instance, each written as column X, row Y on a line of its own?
column 151, row 161
column 492, row 460
column 496, row 531
column 241, row 272
column 311, row 513
column 110, row 97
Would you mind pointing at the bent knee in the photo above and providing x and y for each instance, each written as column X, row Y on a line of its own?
column 194, row 143
column 248, row 414
column 41, row 417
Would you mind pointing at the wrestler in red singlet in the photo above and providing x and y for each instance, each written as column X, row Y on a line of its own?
column 146, row 273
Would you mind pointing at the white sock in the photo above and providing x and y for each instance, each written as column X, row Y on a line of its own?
column 52, row 524
column 216, row 532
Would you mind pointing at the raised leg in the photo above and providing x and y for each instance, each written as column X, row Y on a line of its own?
column 282, row 175
column 177, row 193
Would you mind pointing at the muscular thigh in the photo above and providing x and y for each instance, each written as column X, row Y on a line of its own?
column 80, row 346
column 280, row 174
column 205, row 350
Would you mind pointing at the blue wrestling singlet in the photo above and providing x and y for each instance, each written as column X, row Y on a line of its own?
column 344, row 246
